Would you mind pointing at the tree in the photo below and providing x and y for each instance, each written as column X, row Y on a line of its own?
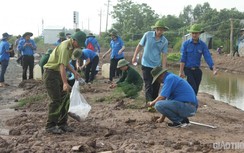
column 187, row 15
column 199, row 10
column 132, row 18
column 173, row 22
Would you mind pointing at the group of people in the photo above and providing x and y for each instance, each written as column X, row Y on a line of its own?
column 25, row 47
column 177, row 99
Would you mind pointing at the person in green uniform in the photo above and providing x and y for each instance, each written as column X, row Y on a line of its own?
column 44, row 59
column 131, row 81
column 56, row 82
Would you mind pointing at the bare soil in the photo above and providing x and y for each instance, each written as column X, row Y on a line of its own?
column 115, row 124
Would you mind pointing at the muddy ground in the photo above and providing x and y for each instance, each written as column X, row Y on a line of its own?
column 115, row 124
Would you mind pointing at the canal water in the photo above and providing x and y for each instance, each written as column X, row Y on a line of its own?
column 226, row 87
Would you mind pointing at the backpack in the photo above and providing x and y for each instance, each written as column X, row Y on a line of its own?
column 44, row 60
column 90, row 46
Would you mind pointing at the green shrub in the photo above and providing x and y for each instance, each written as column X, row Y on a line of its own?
column 174, row 57
column 178, row 44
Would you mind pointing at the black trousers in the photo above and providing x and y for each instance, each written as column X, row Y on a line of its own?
column 114, row 71
column 151, row 90
column 90, row 71
column 194, row 78
column 27, row 62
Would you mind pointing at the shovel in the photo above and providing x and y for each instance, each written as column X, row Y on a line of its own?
column 205, row 125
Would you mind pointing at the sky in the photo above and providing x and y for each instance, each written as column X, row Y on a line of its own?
column 18, row 17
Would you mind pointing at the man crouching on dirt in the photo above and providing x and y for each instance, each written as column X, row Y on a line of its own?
column 56, row 83
column 177, row 100
column 131, row 82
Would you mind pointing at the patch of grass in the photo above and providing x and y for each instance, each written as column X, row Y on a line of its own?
column 115, row 95
column 31, row 99
column 137, row 103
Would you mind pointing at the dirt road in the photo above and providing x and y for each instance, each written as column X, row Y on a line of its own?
column 115, row 123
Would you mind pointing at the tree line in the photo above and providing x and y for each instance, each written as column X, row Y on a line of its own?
column 132, row 20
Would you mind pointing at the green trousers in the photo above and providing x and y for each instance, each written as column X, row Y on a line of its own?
column 58, row 107
column 130, row 90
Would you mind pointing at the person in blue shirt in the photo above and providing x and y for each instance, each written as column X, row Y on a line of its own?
column 92, row 44
column 116, row 51
column 90, row 65
column 68, row 35
column 62, row 37
column 192, row 51
column 155, row 54
column 239, row 43
column 4, row 57
column 93, row 41
column 27, row 48
column 177, row 100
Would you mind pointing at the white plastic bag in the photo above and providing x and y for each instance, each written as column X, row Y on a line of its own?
column 79, row 108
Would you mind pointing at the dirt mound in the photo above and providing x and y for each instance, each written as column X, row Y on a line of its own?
column 228, row 63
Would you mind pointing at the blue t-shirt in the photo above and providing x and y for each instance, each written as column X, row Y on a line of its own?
column 152, row 49
column 87, row 53
column 116, row 45
column 26, row 50
column 176, row 88
column 191, row 53
column 94, row 42
column 58, row 42
column 4, row 46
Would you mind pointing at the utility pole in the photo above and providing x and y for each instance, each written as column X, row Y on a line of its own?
column 42, row 27
column 100, row 27
column 107, row 15
column 88, row 24
column 231, row 36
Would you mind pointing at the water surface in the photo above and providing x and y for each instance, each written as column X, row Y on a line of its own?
column 224, row 86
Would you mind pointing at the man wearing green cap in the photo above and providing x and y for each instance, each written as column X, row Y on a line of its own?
column 56, row 83
column 130, row 82
column 62, row 37
column 176, row 101
column 192, row 51
column 155, row 54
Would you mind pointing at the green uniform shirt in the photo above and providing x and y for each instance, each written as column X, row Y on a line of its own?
column 131, row 76
column 44, row 60
column 60, row 55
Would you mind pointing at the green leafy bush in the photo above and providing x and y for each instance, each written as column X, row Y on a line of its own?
column 174, row 57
